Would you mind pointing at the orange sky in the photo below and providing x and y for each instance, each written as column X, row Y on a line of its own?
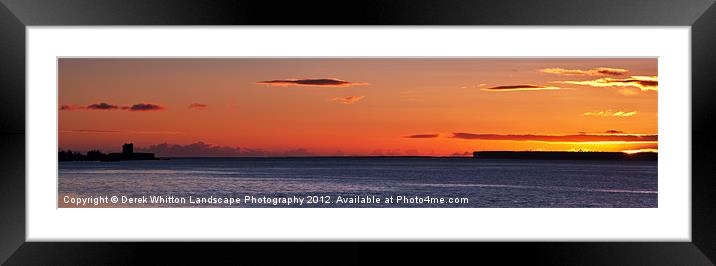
column 357, row 106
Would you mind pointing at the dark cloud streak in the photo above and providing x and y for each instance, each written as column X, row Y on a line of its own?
column 422, row 136
column 101, row 106
column 325, row 82
column 145, row 107
column 523, row 87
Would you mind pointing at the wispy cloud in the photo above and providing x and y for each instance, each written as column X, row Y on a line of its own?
column 600, row 71
column 101, row 131
column 90, row 131
column 628, row 91
column 645, row 83
column 611, row 113
column 198, row 106
column 323, row 82
column 101, row 106
column 348, row 99
column 520, row 88
column 156, row 132
column 422, row 136
column 562, row 138
column 474, row 86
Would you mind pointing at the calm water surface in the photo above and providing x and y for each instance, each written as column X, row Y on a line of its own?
column 483, row 183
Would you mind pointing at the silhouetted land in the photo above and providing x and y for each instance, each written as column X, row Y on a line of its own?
column 96, row 155
column 129, row 154
column 563, row 155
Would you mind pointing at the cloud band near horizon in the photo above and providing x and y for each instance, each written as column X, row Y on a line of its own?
column 561, row 138
column 210, row 150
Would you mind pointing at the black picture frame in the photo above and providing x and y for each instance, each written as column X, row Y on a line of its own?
column 16, row 15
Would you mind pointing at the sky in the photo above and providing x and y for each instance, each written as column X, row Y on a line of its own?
column 357, row 106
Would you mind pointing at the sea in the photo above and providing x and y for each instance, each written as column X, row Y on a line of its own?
column 358, row 183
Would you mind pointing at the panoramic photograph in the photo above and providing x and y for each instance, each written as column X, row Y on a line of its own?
column 357, row 132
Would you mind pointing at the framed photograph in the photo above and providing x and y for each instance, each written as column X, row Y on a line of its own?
column 579, row 129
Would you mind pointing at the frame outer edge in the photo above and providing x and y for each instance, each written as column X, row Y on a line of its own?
column 12, row 126
column 366, row 12
column 12, row 73
column 12, row 133
column 703, row 183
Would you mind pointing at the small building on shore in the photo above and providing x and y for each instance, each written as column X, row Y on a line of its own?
column 129, row 154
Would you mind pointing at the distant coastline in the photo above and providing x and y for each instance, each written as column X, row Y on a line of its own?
column 529, row 155
column 566, row 155
column 127, row 154
column 617, row 156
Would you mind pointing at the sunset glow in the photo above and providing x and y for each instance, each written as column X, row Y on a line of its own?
column 357, row 106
